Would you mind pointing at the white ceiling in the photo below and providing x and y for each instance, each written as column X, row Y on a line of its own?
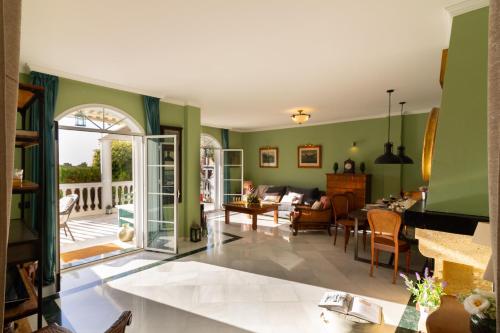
column 248, row 64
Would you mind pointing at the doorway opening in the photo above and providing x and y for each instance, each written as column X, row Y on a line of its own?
column 210, row 172
column 99, row 172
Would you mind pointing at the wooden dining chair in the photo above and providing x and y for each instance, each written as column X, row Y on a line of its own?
column 385, row 225
column 340, row 203
column 362, row 224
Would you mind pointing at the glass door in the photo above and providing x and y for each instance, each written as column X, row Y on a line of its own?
column 232, row 170
column 160, row 230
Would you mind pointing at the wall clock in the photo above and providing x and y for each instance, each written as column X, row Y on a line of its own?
column 349, row 166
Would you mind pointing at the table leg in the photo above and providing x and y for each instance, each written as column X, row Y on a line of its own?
column 227, row 216
column 276, row 216
column 254, row 221
column 355, row 239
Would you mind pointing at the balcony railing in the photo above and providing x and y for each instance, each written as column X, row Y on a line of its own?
column 90, row 196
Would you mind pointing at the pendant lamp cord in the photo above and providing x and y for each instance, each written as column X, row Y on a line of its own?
column 390, row 91
column 402, row 122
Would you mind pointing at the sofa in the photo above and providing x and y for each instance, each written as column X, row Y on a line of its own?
column 277, row 193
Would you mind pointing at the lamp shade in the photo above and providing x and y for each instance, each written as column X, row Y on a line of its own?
column 403, row 158
column 300, row 117
column 388, row 156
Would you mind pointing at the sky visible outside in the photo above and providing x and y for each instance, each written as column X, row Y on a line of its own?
column 77, row 147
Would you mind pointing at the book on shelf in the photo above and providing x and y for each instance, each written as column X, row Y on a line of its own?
column 355, row 306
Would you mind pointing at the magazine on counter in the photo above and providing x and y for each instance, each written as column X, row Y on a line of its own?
column 352, row 305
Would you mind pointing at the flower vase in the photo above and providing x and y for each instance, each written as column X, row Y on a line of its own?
column 425, row 311
column 478, row 325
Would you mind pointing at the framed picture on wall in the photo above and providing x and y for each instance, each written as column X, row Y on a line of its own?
column 309, row 156
column 268, row 157
column 177, row 131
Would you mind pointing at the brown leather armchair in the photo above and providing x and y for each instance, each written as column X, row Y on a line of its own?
column 305, row 218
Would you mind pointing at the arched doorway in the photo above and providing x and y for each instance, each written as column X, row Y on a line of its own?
column 210, row 175
column 99, row 149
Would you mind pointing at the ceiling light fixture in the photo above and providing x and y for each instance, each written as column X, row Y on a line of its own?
column 401, row 149
column 388, row 156
column 300, row 117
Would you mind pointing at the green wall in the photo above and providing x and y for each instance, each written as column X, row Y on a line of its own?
column 459, row 180
column 235, row 138
column 73, row 93
column 336, row 140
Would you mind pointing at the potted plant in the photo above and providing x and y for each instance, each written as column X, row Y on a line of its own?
column 481, row 305
column 109, row 209
column 426, row 293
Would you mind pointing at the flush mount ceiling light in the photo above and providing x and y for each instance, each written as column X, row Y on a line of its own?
column 300, row 117
column 388, row 156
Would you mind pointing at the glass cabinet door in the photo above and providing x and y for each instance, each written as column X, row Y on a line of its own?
column 232, row 170
column 161, row 194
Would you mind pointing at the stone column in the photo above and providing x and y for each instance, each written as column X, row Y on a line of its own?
column 106, row 172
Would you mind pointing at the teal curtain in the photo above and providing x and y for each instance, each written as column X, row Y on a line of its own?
column 225, row 145
column 50, row 84
column 152, row 110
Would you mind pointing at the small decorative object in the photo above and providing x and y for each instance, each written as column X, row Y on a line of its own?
column 109, row 209
column 195, row 233
column 482, row 306
column 349, row 166
column 300, row 117
column 309, row 156
column 126, row 233
column 362, row 167
column 335, row 167
column 268, row 157
column 426, row 293
column 18, row 177
column 253, row 199
column 80, row 119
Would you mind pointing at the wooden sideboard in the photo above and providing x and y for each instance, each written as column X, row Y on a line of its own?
column 360, row 184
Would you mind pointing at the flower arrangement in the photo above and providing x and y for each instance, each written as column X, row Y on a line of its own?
column 427, row 291
column 252, row 197
column 482, row 306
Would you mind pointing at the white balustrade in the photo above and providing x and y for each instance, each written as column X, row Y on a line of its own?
column 90, row 196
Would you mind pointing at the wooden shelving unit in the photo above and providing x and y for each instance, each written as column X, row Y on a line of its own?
column 25, row 241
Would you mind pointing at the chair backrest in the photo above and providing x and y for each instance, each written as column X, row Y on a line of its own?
column 67, row 203
column 384, row 223
column 351, row 198
column 340, row 204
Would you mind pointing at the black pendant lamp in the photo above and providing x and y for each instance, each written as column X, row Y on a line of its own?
column 401, row 149
column 388, row 156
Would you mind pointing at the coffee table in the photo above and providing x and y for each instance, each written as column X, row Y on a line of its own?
column 251, row 209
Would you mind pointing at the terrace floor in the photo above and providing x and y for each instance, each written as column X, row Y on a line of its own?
column 91, row 231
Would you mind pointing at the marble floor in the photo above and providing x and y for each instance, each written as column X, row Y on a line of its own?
column 239, row 281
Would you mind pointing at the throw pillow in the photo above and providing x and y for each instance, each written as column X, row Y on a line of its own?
column 298, row 197
column 289, row 198
column 276, row 189
column 317, row 205
column 325, row 202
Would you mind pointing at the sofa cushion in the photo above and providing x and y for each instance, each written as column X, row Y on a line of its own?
column 276, row 189
column 272, row 197
column 310, row 194
column 325, row 202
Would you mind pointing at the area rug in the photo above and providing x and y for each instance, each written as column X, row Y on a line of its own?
column 89, row 252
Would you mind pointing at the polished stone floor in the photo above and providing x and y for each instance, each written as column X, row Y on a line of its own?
column 240, row 281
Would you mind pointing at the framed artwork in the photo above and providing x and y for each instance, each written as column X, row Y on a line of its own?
column 177, row 131
column 268, row 157
column 309, row 156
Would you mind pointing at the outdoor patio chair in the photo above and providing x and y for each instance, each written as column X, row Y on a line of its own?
column 66, row 205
